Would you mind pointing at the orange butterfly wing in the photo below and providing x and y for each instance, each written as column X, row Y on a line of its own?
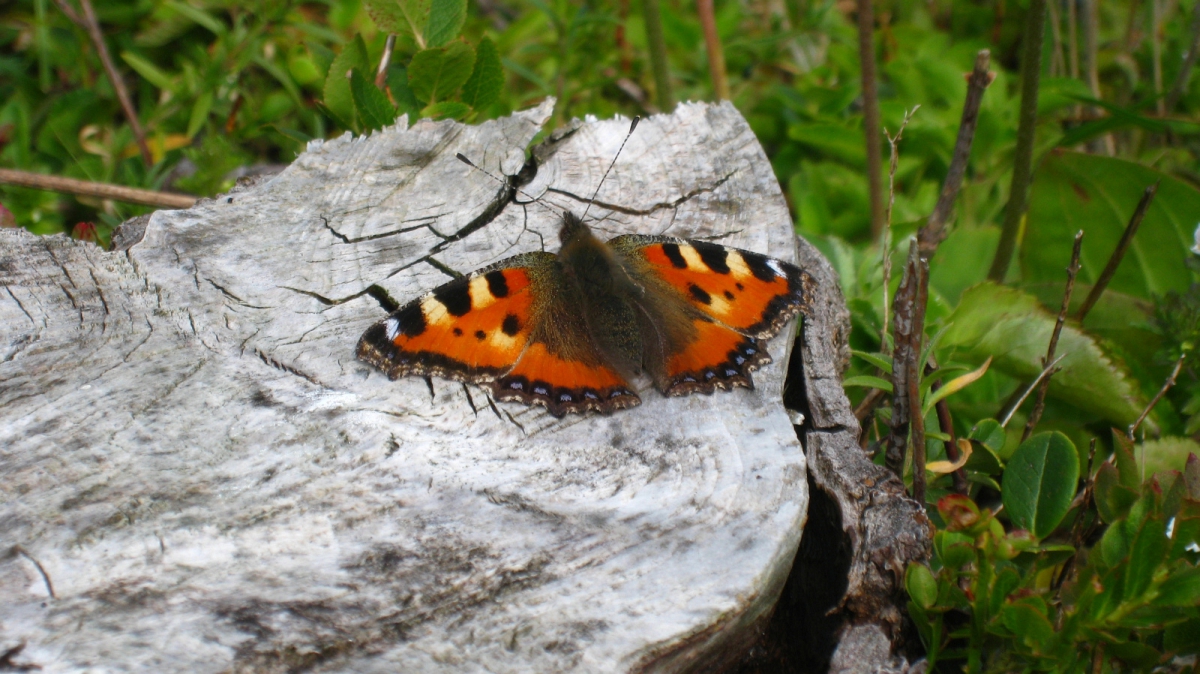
column 733, row 299
column 514, row 326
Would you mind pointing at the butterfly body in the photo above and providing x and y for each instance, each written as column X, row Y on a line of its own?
column 569, row 331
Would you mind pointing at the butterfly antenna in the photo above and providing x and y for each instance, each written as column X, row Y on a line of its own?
column 463, row 158
column 632, row 126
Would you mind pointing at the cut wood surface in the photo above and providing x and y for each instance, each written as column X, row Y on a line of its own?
column 200, row 476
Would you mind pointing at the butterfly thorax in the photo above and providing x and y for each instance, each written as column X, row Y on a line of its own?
column 605, row 292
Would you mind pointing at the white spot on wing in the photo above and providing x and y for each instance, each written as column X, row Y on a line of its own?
column 692, row 257
column 737, row 264
column 481, row 294
column 435, row 312
column 774, row 265
column 393, row 327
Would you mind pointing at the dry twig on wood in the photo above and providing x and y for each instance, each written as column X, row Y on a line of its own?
column 86, row 188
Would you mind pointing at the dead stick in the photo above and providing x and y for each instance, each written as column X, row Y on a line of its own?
column 934, row 230
column 716, row 54
column 85, row 188
column 916, row 414
column 384, row 61
column 1119, row 253
column 89, row 23
column 870, row 98
column 886, row 243
column 868, row 404
column 1040, row 402
column 903, row 306
column 1161, row 392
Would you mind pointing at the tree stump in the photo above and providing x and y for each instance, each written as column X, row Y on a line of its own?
column 200, row 476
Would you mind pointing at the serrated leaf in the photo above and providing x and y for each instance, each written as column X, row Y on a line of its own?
column 446, row 18
column 1039, row 483
column 869, row 381
column 487, row 78
column 955, row 385
column 400, row 16
column 447, row 110
column 435, row 74
column 879, row 360
column 338, row 99
column 372, row 104
column 406, row 101
column 1013, row 328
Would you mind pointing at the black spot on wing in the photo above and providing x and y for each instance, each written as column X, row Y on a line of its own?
column 457, row 332
column 728, row 295
column 480, row 335
column 699, row 294
column 671, row 250
column 456, row 298
column 511, row 326
column 759, row 267
column 713, row 256
column 497, row 284
column 411, row 319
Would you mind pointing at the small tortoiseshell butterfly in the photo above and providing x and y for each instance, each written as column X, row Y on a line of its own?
column 568, row 331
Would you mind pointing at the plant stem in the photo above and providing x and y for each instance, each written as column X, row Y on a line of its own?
column 652, row 17
column 89, row 23
column 1031, row 68
column 384, row 61
column 1040, row 402
column 1016, row 405
column 904, row 310
column 915, row 367
column 1161, row 392
column 716, row 55
column 86, row 188
column 1185, row 71
column 934, row 230
column 1118, row 253
column 886, row 244
column 870, row 93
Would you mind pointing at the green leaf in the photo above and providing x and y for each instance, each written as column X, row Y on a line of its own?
column 921, row 585
column 1181, row 588
column 834, row 140
column 1113, row 499
column 400, row 16
column 869, row 381
column 1073, row 191
column 446, row 18
column 435, row 74
column 406, row 101
column 1128, row 470
column 372, row 104
column 447, row 110
column 1133, row 653
column 198, row 16
column 879, row 360
column 1114, row 544
column 1029, row 622
column 1039, row 483
column 200, row 110
column 483, row 87
column 1013, row 328
column 150, row 72
column 990, row 434
column 954, row 386
column 1184, row 638
column 1149, row 547
column 338, row 99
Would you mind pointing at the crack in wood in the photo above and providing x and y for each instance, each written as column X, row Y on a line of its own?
column 662, row 205
column 287, row 368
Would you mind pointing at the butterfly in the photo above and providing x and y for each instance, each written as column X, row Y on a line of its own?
column 569, row 331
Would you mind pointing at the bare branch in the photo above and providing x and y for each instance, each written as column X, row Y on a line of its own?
column 1119, row 253
column 716, row 55
column 1158, row 396
column 85, row 188
column 1007, row 416
column 89, row 23
column 1040, row 402
column 934, row 230
column 384, row 61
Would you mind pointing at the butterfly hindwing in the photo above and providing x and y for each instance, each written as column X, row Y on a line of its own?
column 715, row 307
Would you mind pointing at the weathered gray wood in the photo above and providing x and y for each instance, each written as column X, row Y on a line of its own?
column 199, row 476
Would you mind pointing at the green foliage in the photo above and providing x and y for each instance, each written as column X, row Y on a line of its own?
column 998, row 599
